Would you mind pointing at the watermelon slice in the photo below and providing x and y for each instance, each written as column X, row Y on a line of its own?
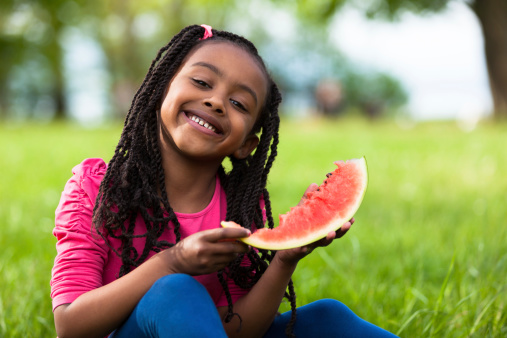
column 323, row 211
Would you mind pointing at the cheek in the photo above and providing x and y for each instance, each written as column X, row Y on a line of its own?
column 171, row 103
column 164, row 112
column 169, row 98
column 243, row 126
column 174, row 92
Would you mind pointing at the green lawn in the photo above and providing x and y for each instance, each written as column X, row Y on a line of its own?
column 426, row 257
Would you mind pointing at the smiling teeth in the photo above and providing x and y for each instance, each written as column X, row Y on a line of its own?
column 203, row 123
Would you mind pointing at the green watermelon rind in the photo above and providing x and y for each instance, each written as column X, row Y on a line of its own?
column 333, row 225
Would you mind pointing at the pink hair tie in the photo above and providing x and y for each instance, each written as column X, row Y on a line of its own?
column 207, row 33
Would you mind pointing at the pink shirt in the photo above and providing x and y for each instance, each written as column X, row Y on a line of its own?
column 84, row 262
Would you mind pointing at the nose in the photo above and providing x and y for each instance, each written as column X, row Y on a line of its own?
column 215, row 104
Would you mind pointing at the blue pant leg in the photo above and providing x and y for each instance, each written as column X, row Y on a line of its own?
column 176, row 306
column 326, row 318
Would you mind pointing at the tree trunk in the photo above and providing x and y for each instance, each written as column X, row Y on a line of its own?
column 59, row 99
column 56, row 52
column 492, row 15
column 3, row 101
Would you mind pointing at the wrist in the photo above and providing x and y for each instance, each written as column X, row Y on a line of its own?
column 164, row 262
column 284, row 263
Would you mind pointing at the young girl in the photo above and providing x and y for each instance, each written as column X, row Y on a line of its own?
column 140, row 250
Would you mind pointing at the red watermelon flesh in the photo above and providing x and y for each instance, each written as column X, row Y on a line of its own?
column 325, row 210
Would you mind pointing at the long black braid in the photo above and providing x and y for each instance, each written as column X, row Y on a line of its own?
column 134, row 182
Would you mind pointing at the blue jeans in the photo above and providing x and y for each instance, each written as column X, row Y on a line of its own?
column 179, row 306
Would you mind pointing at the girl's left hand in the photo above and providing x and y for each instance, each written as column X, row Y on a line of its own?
column 292, row 256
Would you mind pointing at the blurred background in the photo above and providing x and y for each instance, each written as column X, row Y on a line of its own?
column 411, row 59
column 419, row 87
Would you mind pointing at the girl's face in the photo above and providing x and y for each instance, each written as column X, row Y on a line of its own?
column 212, row 103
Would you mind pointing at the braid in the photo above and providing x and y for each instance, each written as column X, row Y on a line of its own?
column 134, row 183
column 246, row 185
column 292, row 298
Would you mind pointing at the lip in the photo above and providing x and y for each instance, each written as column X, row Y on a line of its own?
column 206, row 117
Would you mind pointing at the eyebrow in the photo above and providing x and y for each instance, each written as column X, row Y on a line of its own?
column 221, row 74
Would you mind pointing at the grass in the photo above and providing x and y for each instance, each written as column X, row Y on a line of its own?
column 426, row 257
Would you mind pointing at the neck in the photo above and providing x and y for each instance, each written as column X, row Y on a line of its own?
column 190, row 184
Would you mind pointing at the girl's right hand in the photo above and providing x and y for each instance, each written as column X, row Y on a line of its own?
column 206, row 251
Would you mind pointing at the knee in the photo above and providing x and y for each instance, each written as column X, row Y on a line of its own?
column 335, row 318
column 331, row 308
column 170, row 289
column 168, row 305
column 168, row 294
column 177, row 281
column 176, row 296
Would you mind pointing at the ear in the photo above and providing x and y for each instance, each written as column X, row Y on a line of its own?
column 247, row 147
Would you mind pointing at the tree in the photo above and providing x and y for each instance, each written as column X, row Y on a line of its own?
column 132, row 31
column 32, row 45
column 492, row 15
column 32, row 53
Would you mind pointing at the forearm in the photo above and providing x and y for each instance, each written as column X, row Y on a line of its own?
column 100, row 311
column 259, row 307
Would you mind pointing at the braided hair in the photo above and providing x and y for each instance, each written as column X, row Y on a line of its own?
column 134, row 181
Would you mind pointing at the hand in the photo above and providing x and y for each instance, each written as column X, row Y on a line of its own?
column 292, row 256
column 206, row 251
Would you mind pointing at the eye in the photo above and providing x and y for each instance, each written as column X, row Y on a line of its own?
column 201, row 83
column 238, row 104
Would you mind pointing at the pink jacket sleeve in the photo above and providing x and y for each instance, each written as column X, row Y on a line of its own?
column 81, row 252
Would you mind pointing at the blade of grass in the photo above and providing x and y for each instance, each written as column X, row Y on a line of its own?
column 477, row 322
column 410, row 319
column 436, row 310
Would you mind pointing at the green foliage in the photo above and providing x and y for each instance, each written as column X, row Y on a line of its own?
column 426, row 256
column 36, row 38
column 36, row 35
column 391, row 9
column 373, row 93
column 316, row 11
column 318, row 60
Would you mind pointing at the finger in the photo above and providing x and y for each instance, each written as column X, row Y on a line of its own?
column 221, row 260
column 228, row 247
column 308, row 249
column 343, row 230
column 311, row 188
column 220, row 263
column 328, row 239
column 332, row 235
column 301, row 251
column 215, row 235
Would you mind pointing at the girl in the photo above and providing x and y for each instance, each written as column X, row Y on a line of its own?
column 133, row 232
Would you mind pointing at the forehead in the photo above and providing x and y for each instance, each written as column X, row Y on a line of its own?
column 233, row 61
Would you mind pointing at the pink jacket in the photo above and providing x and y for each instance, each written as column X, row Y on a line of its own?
column 84, row 262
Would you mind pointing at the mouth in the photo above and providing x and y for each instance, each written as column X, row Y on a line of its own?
column 204, row 123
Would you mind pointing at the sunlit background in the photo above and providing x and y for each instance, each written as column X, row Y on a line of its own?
column 84, row 60
column 439, row 59
column 403, row 82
